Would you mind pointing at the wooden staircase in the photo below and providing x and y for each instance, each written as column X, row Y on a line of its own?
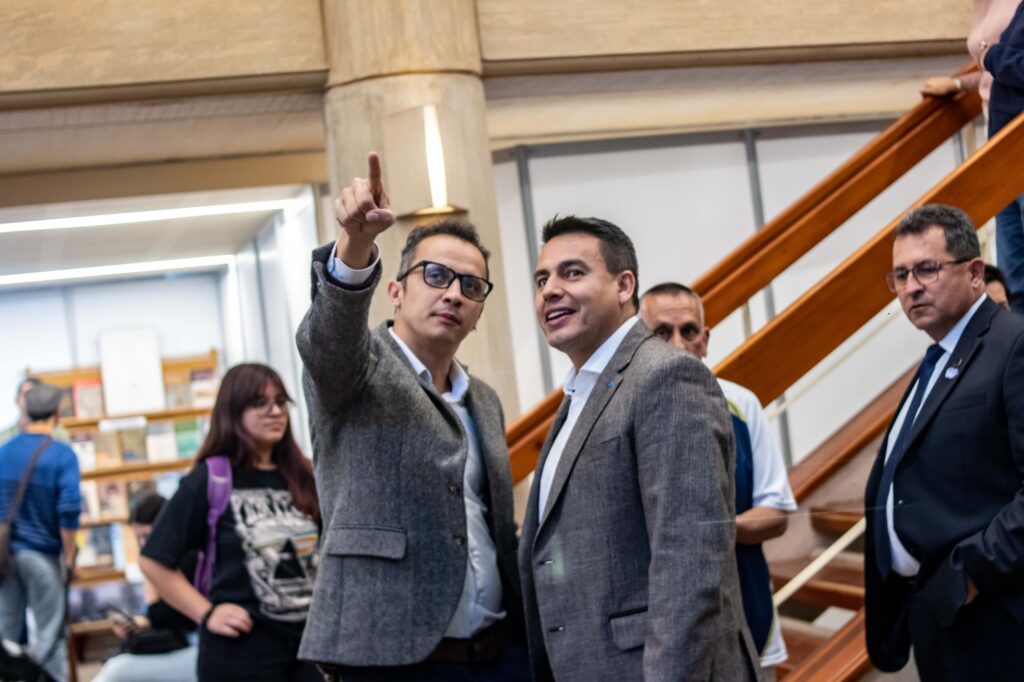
column 830, row 481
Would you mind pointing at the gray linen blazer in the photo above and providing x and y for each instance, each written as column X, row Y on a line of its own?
column 631, row 575
column 389, row 456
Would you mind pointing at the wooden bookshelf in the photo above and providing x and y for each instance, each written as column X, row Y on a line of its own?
column 73, row 424
column 95, row 575
column 177, row 375
column 134, row 471
column 105, row 521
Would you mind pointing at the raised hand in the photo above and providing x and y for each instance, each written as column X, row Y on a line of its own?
column 363, row 211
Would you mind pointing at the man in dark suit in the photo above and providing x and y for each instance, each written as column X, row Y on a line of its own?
column 626, row 554
column 944, row 560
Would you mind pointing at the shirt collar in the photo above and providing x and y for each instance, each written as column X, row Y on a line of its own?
column 950, row 340
column 457, row 374
column 600, row 358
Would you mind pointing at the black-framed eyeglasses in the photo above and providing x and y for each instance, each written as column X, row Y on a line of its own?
column 266, row 406
column 441, row 277
column 925, row 272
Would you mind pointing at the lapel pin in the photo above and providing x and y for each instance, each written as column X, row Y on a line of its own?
column 952, row 372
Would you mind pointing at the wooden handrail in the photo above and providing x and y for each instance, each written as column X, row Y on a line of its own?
column 842, row 658
column 791, row 344
column 795, row 231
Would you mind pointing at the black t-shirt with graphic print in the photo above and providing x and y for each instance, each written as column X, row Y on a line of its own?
column 266, row 548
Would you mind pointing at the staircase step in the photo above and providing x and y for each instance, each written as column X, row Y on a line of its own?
column 802, row 640
column 837, row 517
column 840, row 583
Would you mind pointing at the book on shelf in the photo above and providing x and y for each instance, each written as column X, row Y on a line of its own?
column 107, row 447
column 91, row 603
column 85, row 450
column 101, row 547
column 67, row 401
column 204, row 386
column 88, row 398
column 133, row 444
column 161, row 445
column 138, row 491
column 179, row 395
column 90, row 501
column 113, row 499
column 167, row 484
column 188, row 436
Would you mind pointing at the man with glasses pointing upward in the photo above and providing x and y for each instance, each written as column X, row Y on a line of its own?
column 417, row 577
column 944, row 560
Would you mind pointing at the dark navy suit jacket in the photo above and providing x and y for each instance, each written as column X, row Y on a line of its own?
column 959, row 491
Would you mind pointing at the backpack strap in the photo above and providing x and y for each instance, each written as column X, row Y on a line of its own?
column 218, row 494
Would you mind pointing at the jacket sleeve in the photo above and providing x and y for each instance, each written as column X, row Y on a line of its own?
column 994, row 556
column 685, row 458
column 333, row 339
column 1005, row 60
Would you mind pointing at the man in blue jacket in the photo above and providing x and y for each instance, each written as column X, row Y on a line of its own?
column 43, row 532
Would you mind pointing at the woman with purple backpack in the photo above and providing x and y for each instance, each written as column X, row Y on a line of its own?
column 250, row 507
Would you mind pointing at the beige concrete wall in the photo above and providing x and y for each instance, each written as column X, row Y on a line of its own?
column 544, row 29
column 63, row 45
column 70, row 44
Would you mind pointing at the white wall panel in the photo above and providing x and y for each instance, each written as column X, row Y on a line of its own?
column 685, row 207
column 184, row 310
column 34, row 335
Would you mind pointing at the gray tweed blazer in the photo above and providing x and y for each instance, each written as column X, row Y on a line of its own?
column 389, row 456
column 631, row 575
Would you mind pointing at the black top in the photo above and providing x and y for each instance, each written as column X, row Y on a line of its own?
column 162, row 616
column 266, row 548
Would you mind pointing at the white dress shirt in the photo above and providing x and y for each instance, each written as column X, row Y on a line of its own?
column 578, row 386
column 902, row 562
column 480, row 603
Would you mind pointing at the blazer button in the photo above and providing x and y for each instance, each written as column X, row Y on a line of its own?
column 560, row 628
column 460, row 540
column 454, row 489
column 899, row 501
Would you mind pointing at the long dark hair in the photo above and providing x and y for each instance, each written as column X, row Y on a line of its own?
column 242, row 386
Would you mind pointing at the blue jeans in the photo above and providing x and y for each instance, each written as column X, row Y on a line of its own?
column 1010, row 248
column 175, row 666
column 36, row 582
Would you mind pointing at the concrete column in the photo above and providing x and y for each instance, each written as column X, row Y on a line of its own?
column 387, row 56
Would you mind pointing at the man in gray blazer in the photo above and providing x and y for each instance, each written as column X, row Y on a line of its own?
column 417, row 577
column 627, row 549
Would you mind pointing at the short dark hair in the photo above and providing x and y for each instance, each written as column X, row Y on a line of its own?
column 961, row 236
column 147, row 509
column 452, row 228
column 670, row 289
column 994, row 274
column 676, row 289
column 616, row 246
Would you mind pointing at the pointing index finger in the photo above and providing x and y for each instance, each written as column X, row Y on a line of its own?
column 374, row 174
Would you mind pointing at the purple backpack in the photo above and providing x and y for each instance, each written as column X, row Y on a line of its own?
column 218, row 494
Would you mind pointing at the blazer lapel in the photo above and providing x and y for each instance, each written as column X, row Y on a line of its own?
column 605, row 388
column 959, row 360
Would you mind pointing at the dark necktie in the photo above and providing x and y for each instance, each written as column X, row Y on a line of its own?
column 883, row 548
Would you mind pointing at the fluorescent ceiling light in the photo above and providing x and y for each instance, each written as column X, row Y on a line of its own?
column 144, row 216
column 156, row 266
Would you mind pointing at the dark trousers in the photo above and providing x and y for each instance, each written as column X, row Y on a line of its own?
column 984, row 643
column 512, row 665
column 266, row 654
